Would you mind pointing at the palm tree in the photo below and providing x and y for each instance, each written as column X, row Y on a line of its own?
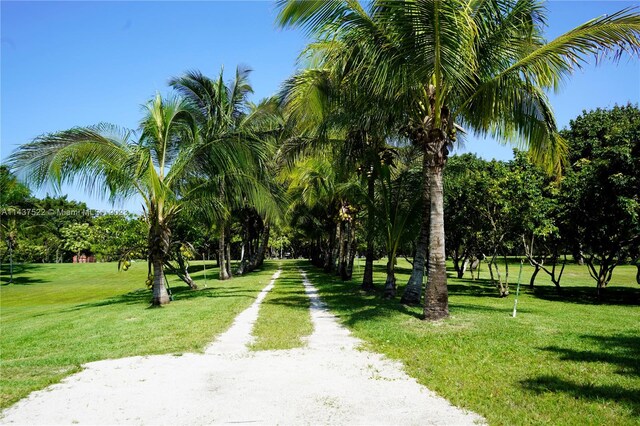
column 333, row 113
column 397, row 180
column 223, row 113
column 112, row 162
column 481, row 64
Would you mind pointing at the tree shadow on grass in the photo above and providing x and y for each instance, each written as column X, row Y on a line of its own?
column 477, row 288
column 144, row 296
column 622, row 351
column 22, row 274
column 353, row 305
column 622, row 296
column 346, row 296
column 620, row 395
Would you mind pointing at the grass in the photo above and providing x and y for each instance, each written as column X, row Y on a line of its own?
column 284, row 318
column 566, row 358
column 60, row 316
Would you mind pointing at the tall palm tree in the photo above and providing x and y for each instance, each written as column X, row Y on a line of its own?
column 223, row 113
column 335, row 114
column 113, row 162
column 484, row 65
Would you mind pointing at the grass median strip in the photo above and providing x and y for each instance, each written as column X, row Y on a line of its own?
column 284, row 317
column 62, row 316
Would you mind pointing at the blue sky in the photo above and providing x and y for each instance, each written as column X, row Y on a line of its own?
column 65, row 64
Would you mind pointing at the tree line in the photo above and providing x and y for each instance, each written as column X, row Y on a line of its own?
column 354, row 148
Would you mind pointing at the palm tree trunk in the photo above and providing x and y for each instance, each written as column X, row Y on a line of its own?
column 228, row 260
column 329, row 259
column 437, row 298
column 352, row 251
column 10, row 262
column 337, row 254
column 343, row 256
column 160, row 295
column 413, row 291
column 159, row 241
column 346, row 270
column 367, row 279
column 263, row 247
column 257, row 259
column 224, row 273
column 390, row 283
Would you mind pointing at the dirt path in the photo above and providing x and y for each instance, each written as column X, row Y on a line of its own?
column 326, row 382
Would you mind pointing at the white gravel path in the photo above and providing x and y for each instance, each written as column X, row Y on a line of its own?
column 327, row 382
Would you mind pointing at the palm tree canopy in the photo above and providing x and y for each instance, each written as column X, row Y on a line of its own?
column 482, row 64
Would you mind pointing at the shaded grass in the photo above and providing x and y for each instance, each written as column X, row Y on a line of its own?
column 71, row 314
column 567, row 358
column 284, row 318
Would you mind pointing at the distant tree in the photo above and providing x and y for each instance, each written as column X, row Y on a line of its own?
column 601, row 189
column 77, row 238
column 464, row 196
column 116, row 236
column 13, row 196
column 539, row 222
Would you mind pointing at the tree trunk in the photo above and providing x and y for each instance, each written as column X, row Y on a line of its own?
column 10, row 262
column 329, row 260
column 258, row 258
column 413, row 291
column 534, row 275
column 390, row 283
column 337, row 252
column 228, row 259
column 160, row 294
column 352, row 252
column 347, row 273
column 340, row 248
column 158, row 245
column 222, row 263
column 367, row 278
column 437, row 298
column 242, row 268
column 183, row 271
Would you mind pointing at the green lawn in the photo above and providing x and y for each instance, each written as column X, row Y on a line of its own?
column 58, row 317
column 565, row 359
column 284, row 317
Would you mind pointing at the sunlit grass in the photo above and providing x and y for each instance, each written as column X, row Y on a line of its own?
column 284, row 318
column 61, row 316
column 566, row 358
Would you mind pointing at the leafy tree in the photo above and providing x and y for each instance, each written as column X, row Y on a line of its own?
column 116, row 236
column 13, row 196
column 77, row 238
column 333, row 113
column 539, row 222
column 464, row 197
column 601, row 188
